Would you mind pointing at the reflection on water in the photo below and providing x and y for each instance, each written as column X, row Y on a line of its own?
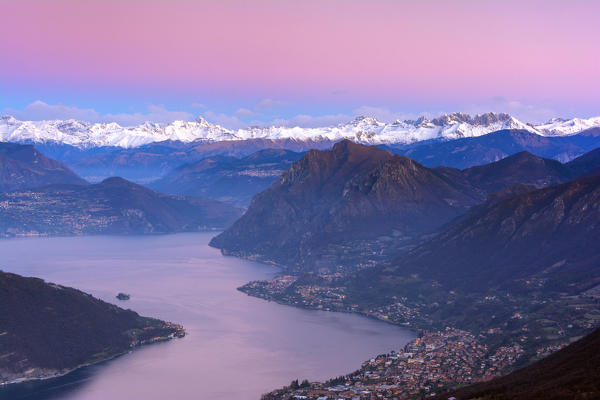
column 57, row 388
column 236, row 347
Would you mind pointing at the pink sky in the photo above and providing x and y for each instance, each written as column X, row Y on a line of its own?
column 383, row 50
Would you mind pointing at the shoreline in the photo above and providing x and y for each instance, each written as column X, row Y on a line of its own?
column 344, row 311
column 499, row 358
column 261, row 259
column 25, row 236
column 22, row 380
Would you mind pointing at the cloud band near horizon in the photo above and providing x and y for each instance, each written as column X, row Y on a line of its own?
column 321, row 56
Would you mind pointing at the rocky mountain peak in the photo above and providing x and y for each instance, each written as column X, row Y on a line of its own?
column 362, row 119
column 200, row 120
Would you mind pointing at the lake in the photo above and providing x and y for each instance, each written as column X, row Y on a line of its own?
column 237, row 347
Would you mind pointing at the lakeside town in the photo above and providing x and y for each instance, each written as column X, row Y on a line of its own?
column 422, row 368
column 441, row 357
column 30, row 213
column 534, row 315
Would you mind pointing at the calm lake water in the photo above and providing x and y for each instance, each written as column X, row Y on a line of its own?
column 237, row 347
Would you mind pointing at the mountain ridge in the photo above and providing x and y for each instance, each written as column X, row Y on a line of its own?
column 506, row 225
column 349, row 192
column 23, row 167
column 113, row 206
column 228, row 179
column 362, row 197
column 366, row 130
column 148, row 163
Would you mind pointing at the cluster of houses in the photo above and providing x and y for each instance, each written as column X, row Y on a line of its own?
column 423, row 367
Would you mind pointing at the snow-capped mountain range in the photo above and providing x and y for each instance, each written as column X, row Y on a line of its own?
column 364, row 130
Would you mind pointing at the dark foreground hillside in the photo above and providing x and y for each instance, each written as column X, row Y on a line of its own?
column 48, row 330
column 571, row 373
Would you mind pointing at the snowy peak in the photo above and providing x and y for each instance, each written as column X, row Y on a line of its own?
column 363, row 129
column 85, row 134
column 565, row 127
column 454, row 118
column 362, row 121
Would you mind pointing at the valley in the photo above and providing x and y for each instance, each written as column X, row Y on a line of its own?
column 226, row 178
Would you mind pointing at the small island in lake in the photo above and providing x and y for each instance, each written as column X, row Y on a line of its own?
column 48, row 330
column 123, row 296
